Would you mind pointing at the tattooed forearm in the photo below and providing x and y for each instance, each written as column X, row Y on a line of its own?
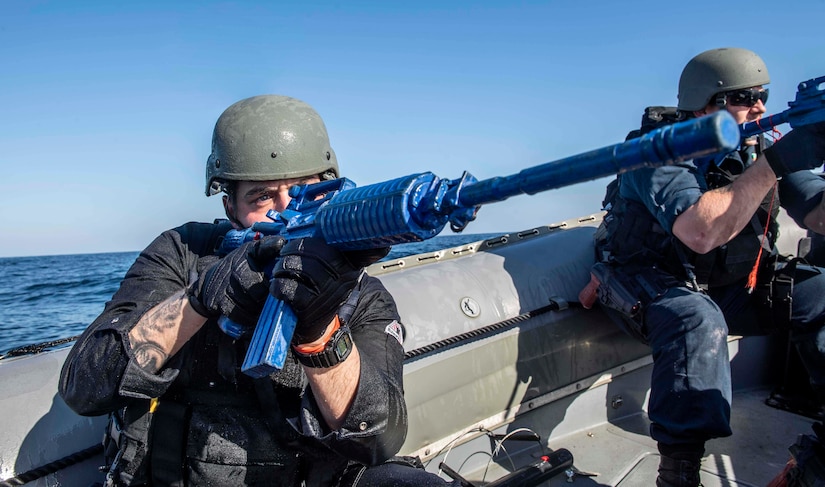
column 166, row 315
column 162, row 331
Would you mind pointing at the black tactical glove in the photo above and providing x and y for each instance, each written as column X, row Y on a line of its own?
column 236, row 286
column 315, row 279
column 800, row 149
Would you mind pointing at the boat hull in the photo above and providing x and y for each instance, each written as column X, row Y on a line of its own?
column 497, row 346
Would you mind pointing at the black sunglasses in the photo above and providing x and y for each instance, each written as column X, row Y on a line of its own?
column 747, row 98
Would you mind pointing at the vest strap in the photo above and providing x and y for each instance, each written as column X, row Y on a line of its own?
column 168, row 442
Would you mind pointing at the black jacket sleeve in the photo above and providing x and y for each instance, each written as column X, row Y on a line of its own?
column 100, row 374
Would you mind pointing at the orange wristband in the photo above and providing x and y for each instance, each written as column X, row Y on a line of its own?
column 321, row 343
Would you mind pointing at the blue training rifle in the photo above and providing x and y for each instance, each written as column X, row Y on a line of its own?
column 808, row 107
column 417, row 207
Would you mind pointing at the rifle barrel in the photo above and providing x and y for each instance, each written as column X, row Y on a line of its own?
column 667, row 145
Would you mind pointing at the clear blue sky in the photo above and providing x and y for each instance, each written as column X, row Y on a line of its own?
column 107, row 108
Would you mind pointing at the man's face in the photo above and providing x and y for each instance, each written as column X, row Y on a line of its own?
column 745, row 105
column 253, row 199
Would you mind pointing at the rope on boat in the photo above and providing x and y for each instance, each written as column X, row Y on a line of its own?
column 90, row 452
column 52, row 467
column 36, row 348
column 488, row 330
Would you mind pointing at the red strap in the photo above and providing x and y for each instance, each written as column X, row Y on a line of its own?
column 751, row 285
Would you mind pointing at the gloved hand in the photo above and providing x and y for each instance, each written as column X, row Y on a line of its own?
column 800, row 149
column 315, row 279
column 236, row 286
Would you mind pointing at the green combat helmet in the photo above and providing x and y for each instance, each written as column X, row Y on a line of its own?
column 719, row 71
column 268, row 137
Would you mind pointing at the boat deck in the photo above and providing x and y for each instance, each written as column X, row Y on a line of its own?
column 617, row 448
column 624, row 455
column 620, row 453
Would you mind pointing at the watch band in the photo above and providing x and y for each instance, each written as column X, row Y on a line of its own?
column 336, row 350
column 319, row 344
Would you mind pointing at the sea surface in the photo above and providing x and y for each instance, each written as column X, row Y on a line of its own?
column 50, row 298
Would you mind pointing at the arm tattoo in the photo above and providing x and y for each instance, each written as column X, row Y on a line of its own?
column 150, row 356
column 155, row 333
column 165, row 315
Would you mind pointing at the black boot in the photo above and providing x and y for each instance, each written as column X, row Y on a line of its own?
column 679, row 465
column 678, row 473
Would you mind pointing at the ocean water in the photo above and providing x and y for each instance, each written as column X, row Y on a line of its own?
column 44, row 299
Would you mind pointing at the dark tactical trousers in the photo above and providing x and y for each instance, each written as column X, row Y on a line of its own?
column 687, row 332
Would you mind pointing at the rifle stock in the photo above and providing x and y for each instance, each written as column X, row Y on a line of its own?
column 417, row 207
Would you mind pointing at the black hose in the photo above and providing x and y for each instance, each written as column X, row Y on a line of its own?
column 52, row 467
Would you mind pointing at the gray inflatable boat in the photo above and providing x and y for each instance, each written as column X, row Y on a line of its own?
column 505, row 372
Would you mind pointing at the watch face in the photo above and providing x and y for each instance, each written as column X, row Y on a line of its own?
column 343, row 345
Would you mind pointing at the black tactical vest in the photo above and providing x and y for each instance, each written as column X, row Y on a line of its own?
column 149, row 442
column 632, row 236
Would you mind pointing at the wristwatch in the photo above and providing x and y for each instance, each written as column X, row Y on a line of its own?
column 335, row 351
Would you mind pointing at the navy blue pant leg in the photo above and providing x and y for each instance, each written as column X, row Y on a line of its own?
column 687, row 331
column 691, row 387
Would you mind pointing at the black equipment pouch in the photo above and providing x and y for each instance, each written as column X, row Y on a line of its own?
column 629, row 293
column 168, row 440
column 775, row 294
column 656, row 117
column 125, row 445
column 144, row 438
column 112, row 454
column 617, row 290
